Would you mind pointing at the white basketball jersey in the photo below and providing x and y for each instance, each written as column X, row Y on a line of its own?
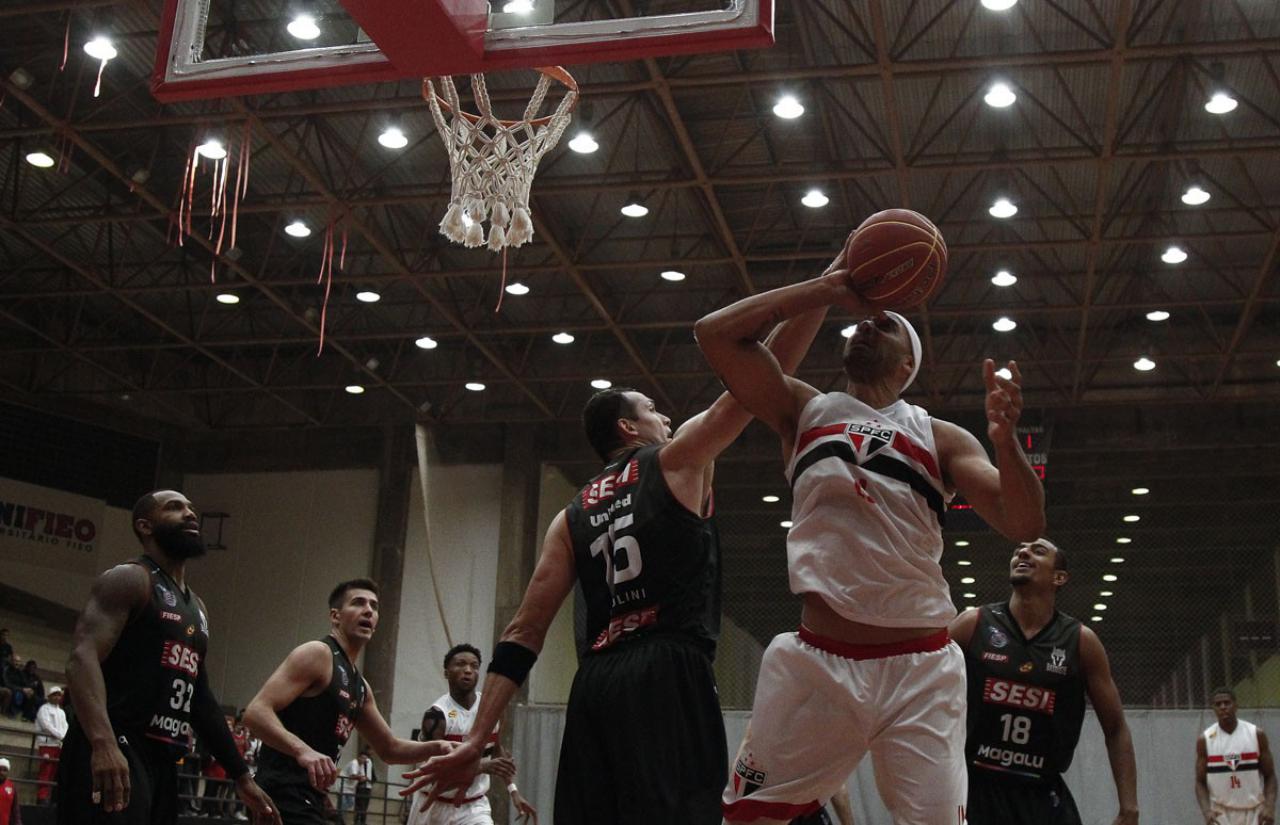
column 457, row 721
column 867, row 507
column 1234, row 779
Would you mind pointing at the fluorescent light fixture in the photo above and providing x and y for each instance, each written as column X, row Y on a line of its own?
column 601, row 383
column 1174, row 255
column 297, row 229
column 1132, row 518
column 964, row 562
column 583, row 143
column 212, row 149
column 971, row 595
column 1095, row 618
column 635, row 209
column 672, row 275
column 40, row 160
column 1194, row 196
column 228, row 298
column 368, row 297
column 1106, row 594
column 1000, row 96
column 814, row 199
column 786, row 524
column 1220, row 104
column 1100, row 606
column 517, row 288
column 1116, row 560
column 1140, row 491
column 1004, row 373
column 999, row 5
column 355, row 389
column 968, row 580
column 1158, row 315
column 303, row 27
column 426, row 342
column 1123, row 540
column 393, row 138
column 962, row 543
column 1004, row 278
column 1004, row 324
column 1003, row 208
column 474, row 386
column 770, row 499
column 100, row 48
column 788, row 108
column 1144, row 364
column 562, row 338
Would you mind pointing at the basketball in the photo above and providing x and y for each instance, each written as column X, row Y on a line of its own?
column 896, row 259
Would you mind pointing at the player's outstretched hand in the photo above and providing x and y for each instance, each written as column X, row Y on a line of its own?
column 524, row 811
column 262, row 811
column 1004, row 401
column 444, row 773
column 110, row 771
column 320, row 769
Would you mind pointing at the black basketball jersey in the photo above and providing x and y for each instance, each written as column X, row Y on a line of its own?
column 645, row 563
column 323, row 721
column 150, row 673
column 1026, row 697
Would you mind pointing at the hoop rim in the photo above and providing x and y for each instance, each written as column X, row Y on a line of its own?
column 557, row 73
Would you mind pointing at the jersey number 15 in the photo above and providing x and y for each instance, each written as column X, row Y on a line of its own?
column 622, row 561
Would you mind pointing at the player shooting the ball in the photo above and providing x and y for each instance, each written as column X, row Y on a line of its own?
column 871, row 669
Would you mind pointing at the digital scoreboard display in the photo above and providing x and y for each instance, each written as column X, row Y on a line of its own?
column 1034, row 444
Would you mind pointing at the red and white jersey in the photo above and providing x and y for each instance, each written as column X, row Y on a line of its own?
column 1234, row 779
column 457, row 724
column 867, row 507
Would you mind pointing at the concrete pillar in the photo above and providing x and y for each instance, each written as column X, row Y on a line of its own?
column 394, row 474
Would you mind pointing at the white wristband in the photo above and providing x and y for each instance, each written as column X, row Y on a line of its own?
column 512, row 788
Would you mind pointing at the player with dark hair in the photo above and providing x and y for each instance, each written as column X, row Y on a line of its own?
column 450, row 718
column 1029, row 669
column 307, row 709
column 644, row 737
column 1235, row 775
column 139, row 685
column 871, row 670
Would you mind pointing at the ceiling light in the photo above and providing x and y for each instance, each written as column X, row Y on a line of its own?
column 583, row 143
column 426, row 342
column 1004, row 373
column 517, row 7
column 787, row 524
column 962, row 543
column 1003, row 208
column 1124, row 540
column 1144, row 364
column 355, row 389
column 968, row 580
column 1158, row 315
column 770, row 499
column 814, row 199
column 227, row 298
column 1131, row 519
column 964, row 562
column 971, row 595
column 634, row 208
column 1100, row 606
column 1004, row 278
column 1220, row 104
column 1194, row 196
column 1000, row 96
column 1140, row 491
column 393, row 138
column 474, row 386
column 1110, row 577
column 562, row 338
column 1106, row 594
column 672, row 275
column 788, row 108
column 212, row 149
column 40, row 160
column 999, row 5
column 100, row 48
column 848, row 331
column 368, row 297
column 517, row 288
column 1003, row 324
column 22, row 78
column 1174, row 255
column 601, row 383
column 1095, row 618
column 297, row 229
column 303, row 27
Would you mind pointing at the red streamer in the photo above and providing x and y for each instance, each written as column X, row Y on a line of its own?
column 66, row 45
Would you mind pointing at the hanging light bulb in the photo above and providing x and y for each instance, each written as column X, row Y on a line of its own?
column 1194, row 196
column 212, row 149
column 393, row 138
column 788, row 108
column 1000, row 96
column 1003, row 208
column 583, row 143
column 815, row 199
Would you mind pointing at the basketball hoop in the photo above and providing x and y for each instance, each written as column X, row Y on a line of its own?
column 493, row 161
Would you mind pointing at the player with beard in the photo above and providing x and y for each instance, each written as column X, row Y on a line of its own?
column 138, row 683
column 307, row 709
column 644, row 738
column 1030, row 668
column 871, row 669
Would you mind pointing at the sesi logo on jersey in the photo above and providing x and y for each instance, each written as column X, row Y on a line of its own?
column 605, row 487
column 1017, row 695
column 177, row 656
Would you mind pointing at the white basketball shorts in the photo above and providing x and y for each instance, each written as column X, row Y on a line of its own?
column 476, row 812
column 822, row 704
column 1237, row 816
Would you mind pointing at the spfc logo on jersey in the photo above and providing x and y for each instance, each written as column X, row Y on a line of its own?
column 1232, row 759
column 1057, row 662
column 996, row 638
column 747, row 776
column 868, row 440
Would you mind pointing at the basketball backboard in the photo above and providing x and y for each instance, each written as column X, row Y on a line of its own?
column 222, row 48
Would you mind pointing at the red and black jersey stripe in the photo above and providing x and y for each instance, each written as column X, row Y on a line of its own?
column 881, row 463
column 1246, row 762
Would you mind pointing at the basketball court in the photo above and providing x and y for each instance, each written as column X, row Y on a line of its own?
column 346, row 271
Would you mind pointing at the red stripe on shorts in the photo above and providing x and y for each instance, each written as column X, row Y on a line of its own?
column 749, row 810
column 847, row 650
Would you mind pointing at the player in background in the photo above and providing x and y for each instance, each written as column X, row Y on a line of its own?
column 1235, row 777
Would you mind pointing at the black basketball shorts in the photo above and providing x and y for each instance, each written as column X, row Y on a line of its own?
column 153, row 783
column 994, row 800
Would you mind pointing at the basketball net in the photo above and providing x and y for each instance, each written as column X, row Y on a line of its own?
column 493, row 161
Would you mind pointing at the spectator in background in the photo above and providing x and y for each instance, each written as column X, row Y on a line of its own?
column 360, row 771
column 6, row 656
column 51, row 726
column 6, row 649
column 17, row 679
column 10, row 810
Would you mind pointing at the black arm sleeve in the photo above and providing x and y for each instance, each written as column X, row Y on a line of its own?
column 211, row 726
